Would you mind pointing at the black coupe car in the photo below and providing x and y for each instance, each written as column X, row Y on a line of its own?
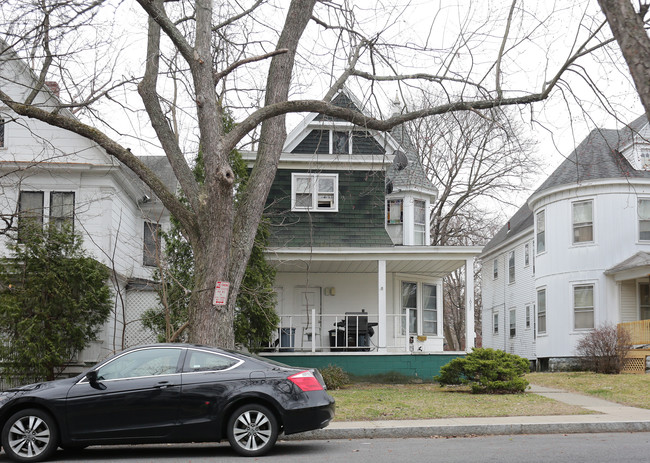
column 165, row 393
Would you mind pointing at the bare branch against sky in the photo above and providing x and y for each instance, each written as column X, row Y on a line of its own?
column 160, row 77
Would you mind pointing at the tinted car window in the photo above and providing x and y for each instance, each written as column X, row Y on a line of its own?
column 198, row 360
column 146, row 362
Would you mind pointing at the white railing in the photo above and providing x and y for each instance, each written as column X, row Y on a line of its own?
column 345, row 332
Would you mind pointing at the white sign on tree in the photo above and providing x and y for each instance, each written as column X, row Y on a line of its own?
column 220, row 293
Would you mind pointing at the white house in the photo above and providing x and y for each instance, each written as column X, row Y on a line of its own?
column 50, row 174
column 349, row 209
column 576, row 255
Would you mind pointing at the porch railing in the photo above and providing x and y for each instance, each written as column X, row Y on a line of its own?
column 638, row 331
column 344, row 332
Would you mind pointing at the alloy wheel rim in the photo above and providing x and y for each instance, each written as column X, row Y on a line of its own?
column 252, row 430
column 29, row 436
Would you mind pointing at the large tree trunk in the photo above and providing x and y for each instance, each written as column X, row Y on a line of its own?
column 632, row 38
column 227, row 238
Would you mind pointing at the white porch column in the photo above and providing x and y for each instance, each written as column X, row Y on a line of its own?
column 381, row 306
column 470, row 336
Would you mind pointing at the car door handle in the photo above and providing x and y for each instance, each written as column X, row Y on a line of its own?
column 163, row 385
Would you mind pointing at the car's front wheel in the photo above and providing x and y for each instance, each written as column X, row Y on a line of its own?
column 252, row 430
column 29, row 435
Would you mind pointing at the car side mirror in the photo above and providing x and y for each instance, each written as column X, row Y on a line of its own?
column 91, row 376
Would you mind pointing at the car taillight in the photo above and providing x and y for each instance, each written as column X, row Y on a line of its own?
column 306, row 381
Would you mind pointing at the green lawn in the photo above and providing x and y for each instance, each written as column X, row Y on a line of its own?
column 362, row 401
column 359, row 402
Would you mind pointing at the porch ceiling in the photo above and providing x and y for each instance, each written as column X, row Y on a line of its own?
column 419, row 260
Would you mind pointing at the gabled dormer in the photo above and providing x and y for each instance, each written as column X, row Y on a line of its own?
column 636, row 148
column 342, row 185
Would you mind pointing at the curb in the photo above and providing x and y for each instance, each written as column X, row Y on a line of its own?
column 471, row 430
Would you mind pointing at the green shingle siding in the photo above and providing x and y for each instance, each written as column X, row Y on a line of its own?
column 358, row 223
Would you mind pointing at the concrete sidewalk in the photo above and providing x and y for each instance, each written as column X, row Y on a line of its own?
column 610, row 417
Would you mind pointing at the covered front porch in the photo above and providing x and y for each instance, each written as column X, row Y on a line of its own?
column 335, row 301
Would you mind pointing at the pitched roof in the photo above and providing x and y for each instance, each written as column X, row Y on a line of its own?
column 518, row 223
column 597, row 157
column 640, row 259
column 412, row 176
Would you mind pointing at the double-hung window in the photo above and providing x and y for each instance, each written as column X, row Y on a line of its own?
column 429, row 310
column 420, row 222
column 62, row 209
column 420, row 302
column 314, row 192
column 151, row 244
column 526, row 255
column 30, row 212
column 540, row 218
column 511, row 267
column 495, row 323
column 541, row 311
column 644, row 219
column 410, row 305
column 583, row 223
column 583, row 307
column 495, row 269
column 513, row 322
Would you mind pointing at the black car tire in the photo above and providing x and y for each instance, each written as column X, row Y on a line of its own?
column 252, row 430
column 30, row 435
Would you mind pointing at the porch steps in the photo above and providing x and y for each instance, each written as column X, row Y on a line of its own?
column 635, row 361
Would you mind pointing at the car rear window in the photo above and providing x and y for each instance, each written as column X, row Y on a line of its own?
column 198, row 360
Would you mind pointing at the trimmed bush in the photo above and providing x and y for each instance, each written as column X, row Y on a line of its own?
column 334, row 377
column 487, row 371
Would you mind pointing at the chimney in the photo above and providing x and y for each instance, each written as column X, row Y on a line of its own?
column 54, row 87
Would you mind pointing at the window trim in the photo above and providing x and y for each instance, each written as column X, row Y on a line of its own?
column 512, row 322
column 527, row 255
column 581, row 225
column 540, row 312
column 157, row 241
column 512, row 267
column 587, row 309
column 528, row 312
column 639, row 220
column 390, row 221
column 56, row 220
column 313, row 178
column 495, row 322
column 400, row 280
column 538, row 233
column 348, row 132
column 422, row 232
column 3, row 133
column 38, row 217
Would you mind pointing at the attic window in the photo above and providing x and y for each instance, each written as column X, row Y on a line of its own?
column 340, row 142
column 314, row 192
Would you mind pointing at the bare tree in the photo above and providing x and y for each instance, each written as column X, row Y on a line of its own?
column 475, row 159
column 218, row 45
column 630, row 30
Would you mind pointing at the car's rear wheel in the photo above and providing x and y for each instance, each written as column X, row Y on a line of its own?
column 252, row 430
column 29, row 435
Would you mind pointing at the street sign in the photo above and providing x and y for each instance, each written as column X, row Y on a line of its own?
column 220, row 293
